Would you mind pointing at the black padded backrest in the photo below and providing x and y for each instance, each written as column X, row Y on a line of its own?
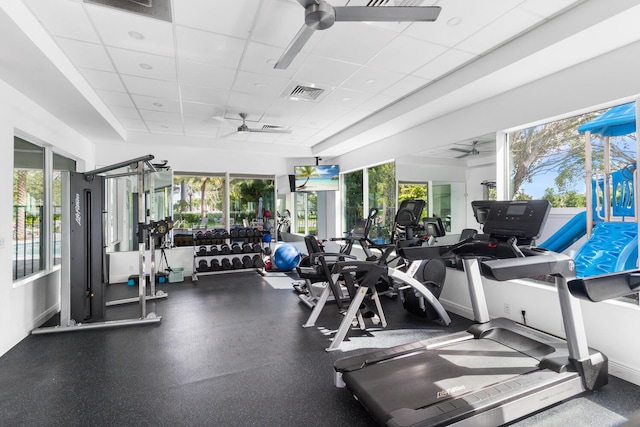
column 312, row 244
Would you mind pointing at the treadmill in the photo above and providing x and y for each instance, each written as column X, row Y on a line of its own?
column 498, row 370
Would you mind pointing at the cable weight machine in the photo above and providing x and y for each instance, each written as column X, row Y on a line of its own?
column 82, row 273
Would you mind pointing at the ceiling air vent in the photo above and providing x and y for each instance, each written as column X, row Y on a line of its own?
column 270, row 127
column 305, row 93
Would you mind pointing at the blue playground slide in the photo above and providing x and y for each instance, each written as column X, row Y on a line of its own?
column 613, row 246
column 568, row 234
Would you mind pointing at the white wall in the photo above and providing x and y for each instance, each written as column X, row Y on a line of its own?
column 27, row 303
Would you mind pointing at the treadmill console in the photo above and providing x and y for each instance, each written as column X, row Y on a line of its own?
column 520, row 219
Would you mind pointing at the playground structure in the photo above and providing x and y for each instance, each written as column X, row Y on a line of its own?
column 612, row 243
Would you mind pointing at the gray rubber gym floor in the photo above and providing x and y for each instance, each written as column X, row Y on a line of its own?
column 230, row 351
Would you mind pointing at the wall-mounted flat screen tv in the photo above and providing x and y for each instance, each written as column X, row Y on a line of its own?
column 317, row 178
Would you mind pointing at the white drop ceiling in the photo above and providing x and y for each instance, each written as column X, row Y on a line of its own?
column 192, row 77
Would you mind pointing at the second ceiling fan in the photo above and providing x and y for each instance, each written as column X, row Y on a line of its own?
column 320, row 15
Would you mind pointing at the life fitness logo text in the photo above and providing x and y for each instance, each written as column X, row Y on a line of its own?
column 78, row 215
column 449, row 391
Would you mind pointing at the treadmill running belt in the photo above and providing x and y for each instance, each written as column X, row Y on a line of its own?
column 427, row 377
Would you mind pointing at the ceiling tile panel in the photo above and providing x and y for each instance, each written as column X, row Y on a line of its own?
column 206, row 15
column 443, row 64
column 204, row 95
column 324, row 72
column 119, row 99
column 260, row 58
column 133, row 125
column 459, row 20
column 372, row 80
column 203, row 111
column 200, row 127
column 253, row 105
column 160, row 117
column 352, row 42
column 278, row 22
column 55, row 16
column 259, row 84
column 151, row 87
column 208, row 48
column 504, row 28
column 143, row 65
column 345, row 98
column 405, row 55
column 165, row 127
column 103, row 80
column 156, row 104
column 197, row 74
column 125, row 112
column 132, row 31
column 86, row 55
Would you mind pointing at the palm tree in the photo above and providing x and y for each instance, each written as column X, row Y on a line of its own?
column 306, row 172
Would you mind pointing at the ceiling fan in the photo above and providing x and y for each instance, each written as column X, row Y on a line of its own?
column 244, row 129
column 472, row 151
column 320, row 15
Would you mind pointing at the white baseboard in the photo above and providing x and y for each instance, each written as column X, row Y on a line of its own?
column 45, row 315
column 624, row 372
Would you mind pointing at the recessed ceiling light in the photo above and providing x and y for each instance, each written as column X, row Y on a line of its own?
column 371, row 81
column 158, row 104
column 454, row 21
column 259, row 85
column 136, row 35
column 146, row 66
column 346, row 99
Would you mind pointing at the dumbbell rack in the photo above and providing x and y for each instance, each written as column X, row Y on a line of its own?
column 219, row 251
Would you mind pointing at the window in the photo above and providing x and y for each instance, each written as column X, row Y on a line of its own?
column 199, row 200
column 352, row 198
column 382, row 196
column 36, row 226
column 379, row 192
column 249, row 198
column 306, row 213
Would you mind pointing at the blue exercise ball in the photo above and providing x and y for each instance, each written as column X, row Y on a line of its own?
column 286, row 257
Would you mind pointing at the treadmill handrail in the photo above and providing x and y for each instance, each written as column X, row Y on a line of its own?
column 606, row 286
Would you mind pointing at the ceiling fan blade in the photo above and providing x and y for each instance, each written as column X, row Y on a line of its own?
column 387, row 13
column 460, row 150
column 304, row 34
column 272, row 130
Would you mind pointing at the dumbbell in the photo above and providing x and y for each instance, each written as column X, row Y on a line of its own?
column 267, row 250
column 207, row 234
column 225, row 249
column 234, row 232
column 215, row 265
column 214, row 250
column 249, row 232
column 226, row 264
column 236, row 248
column 257, row 248
column 246, row 248
column 247, row 261
column 236, row 263
column 242, row 232
column 203, row 265
column 257, row 261
column 199, row 235
column 202, row 251
column 216, row 234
